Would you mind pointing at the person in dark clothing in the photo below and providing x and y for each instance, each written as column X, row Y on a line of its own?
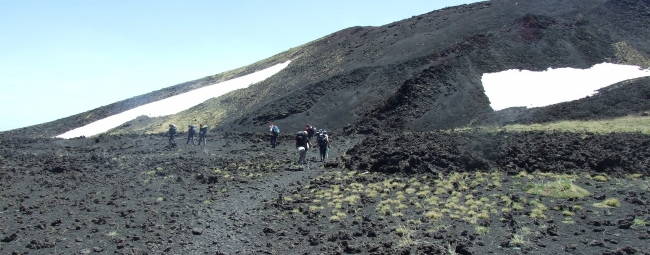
column 275, row 130
column 302, row 145
column 310, row 131
column 172, row 132
column 190, row 134
column 203, row 130
column 323, row 144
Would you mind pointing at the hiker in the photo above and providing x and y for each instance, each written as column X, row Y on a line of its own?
column 323, row 144
column 172, row 132
column 190, row 134
column 302, row 145
column 275, row 130
column 203, row 130
column 310, row 131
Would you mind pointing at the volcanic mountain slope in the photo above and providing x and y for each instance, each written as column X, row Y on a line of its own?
column 421, row 73
column 424, row 73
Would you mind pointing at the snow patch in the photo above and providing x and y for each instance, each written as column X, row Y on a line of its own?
column 514, row 88
column 174, row 104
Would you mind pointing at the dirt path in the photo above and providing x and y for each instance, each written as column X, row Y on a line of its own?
column 237, row 216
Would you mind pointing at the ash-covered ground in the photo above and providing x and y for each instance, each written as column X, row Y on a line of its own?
column 444, row 192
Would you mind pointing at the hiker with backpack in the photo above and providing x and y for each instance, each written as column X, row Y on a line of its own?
column 275, row 130
column 172, row 132
column 203, row 130
column 302, row 145
column 310, row 131
column 323, row 144
column 190, row 134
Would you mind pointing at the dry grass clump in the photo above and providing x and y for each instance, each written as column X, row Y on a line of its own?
column 518, row 240
column 538, row 211
column 562, row 188
column 600, row 178
column 410, row 191
column 481, row 230
column 434, row 214
column 567, row 213
column 352, row 199
column 405, row 236
column 315, row 208
column 633, row 176
column 517, row 206
column 608, row 203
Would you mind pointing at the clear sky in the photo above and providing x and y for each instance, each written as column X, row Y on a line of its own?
column 59, row 58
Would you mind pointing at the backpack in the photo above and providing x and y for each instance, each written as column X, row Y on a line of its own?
column 301, row 140
column 322, row 142
column 276, row 130
column 310, row 131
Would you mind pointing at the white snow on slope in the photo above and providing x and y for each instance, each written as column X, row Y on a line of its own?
column 536, row 89
column 174, row 104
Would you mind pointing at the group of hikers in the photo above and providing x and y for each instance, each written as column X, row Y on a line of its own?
column 303, row 139
column 303, row 142
column 191, row 131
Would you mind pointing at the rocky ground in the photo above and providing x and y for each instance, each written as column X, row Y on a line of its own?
column 140, row 195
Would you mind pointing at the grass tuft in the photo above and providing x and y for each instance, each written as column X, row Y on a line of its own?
column 600, row 178
column 518, row 240
column 481, row 230
column 638, row 222
column 562, row 188
column 608, row 203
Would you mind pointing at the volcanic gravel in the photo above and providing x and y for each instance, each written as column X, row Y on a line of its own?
column 140, row 195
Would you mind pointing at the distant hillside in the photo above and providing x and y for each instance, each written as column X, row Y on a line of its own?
column 421, row 73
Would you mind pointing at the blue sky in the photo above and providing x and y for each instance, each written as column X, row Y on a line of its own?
column 59, row 58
